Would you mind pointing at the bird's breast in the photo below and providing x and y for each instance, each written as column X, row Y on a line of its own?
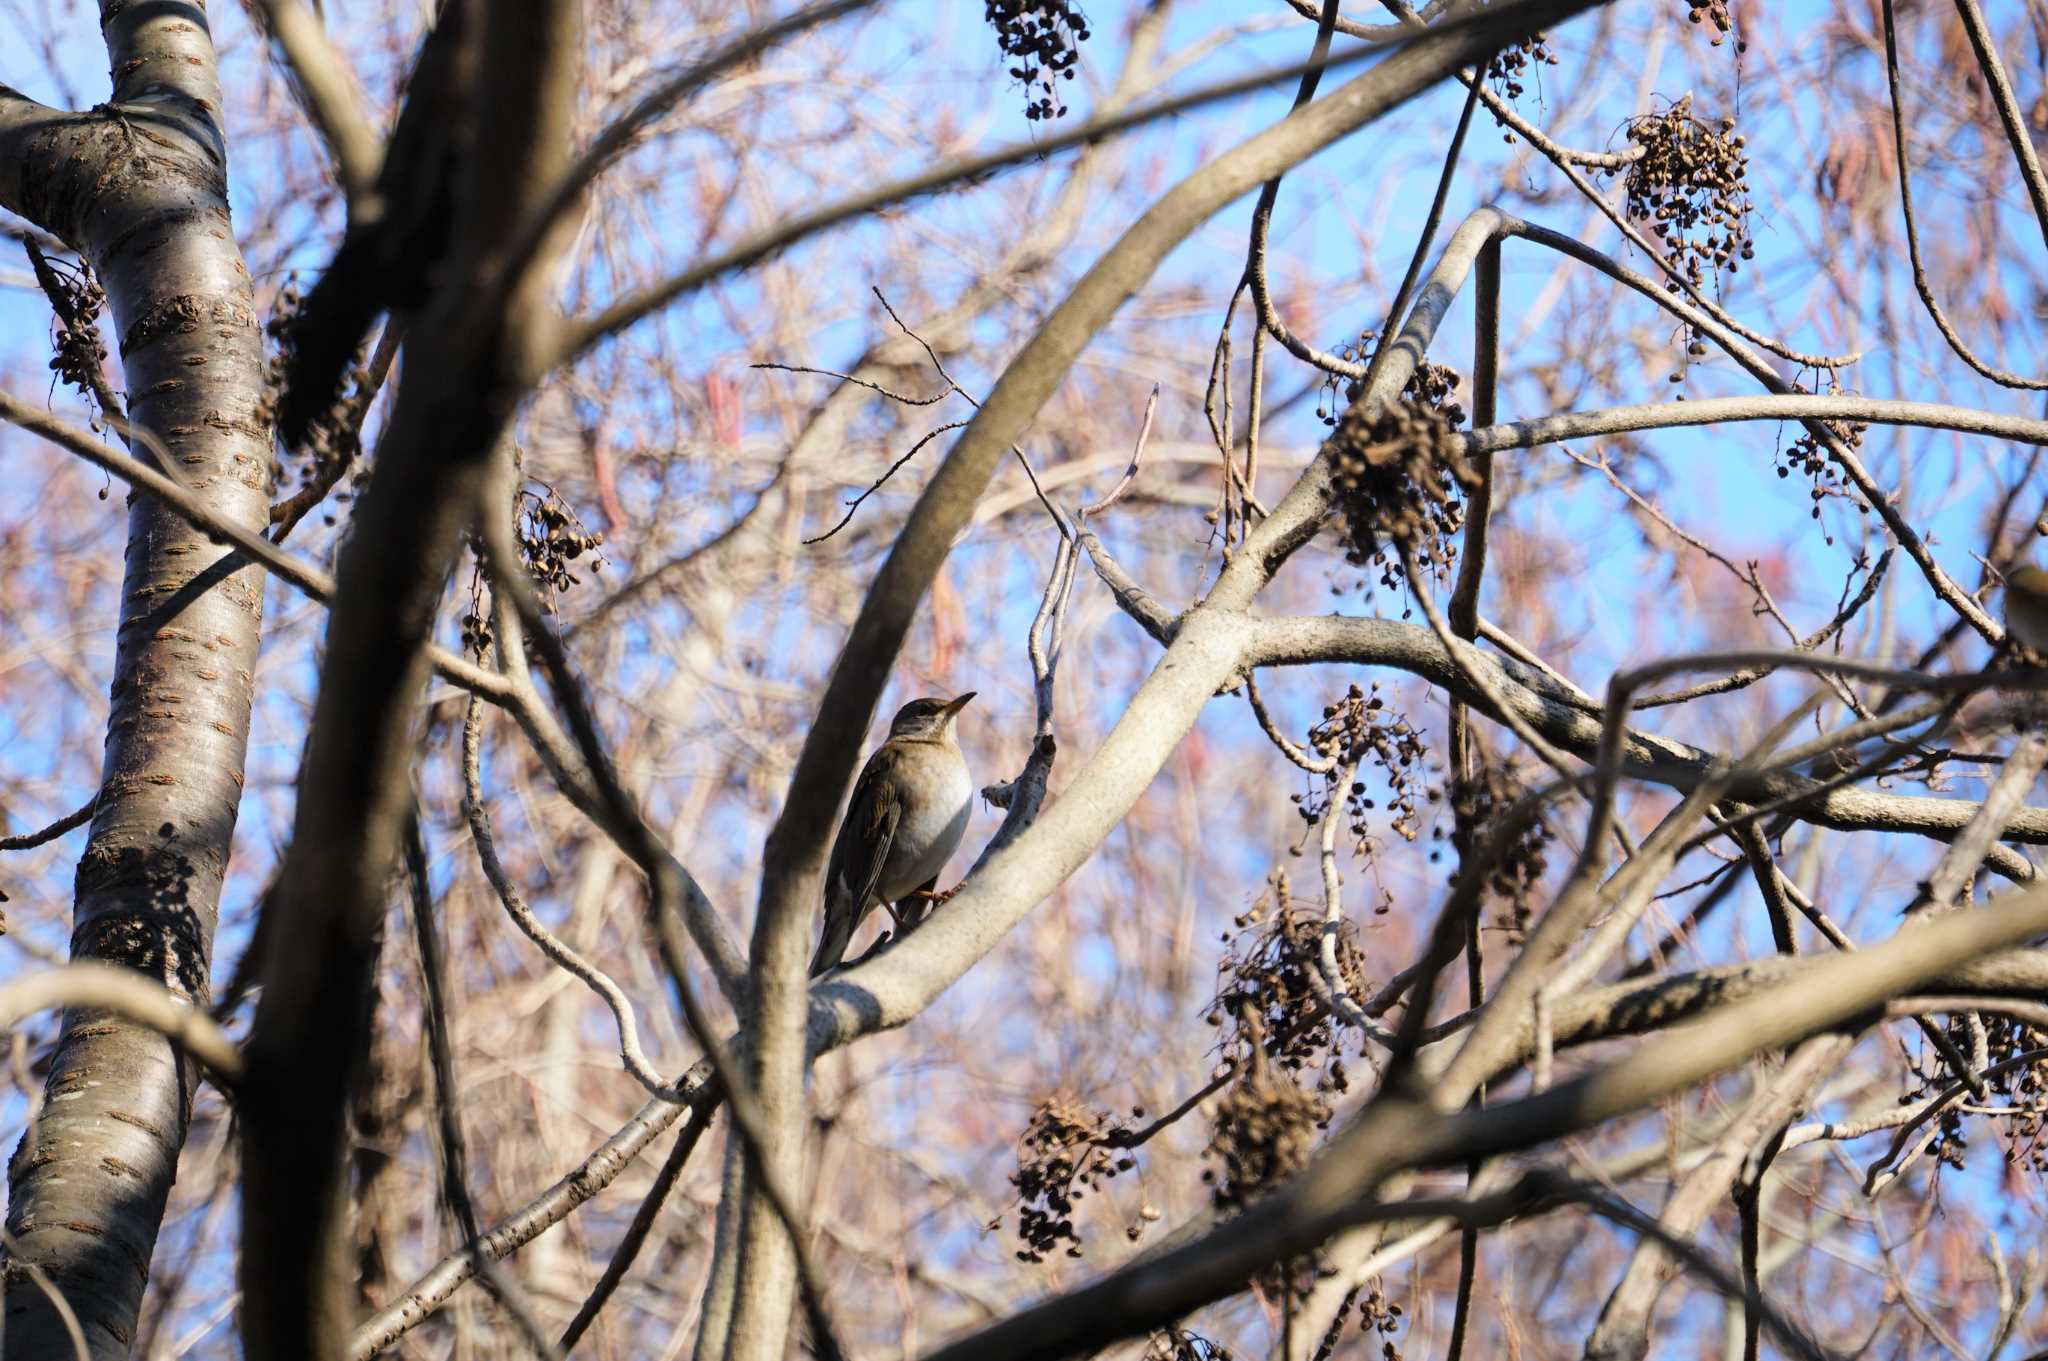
column 929, row 830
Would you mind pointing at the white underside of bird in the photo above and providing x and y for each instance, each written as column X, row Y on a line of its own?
column 927, row 834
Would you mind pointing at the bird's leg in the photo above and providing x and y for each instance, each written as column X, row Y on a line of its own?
column 918, row 905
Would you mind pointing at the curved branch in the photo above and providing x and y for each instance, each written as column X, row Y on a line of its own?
column 1921, row 285
column 1471, row 36
column 133, row 997
column 2009, row 115
column 1568, row 722
column 594, row 978
column 1844, row 458
column 332, row 100
column 1716, row 410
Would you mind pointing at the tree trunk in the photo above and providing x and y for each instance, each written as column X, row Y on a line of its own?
column 139, row 188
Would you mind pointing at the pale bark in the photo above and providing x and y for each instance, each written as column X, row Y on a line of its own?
column 150, row 214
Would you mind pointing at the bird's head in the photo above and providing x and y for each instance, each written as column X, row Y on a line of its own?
column 928, row 717
column 2029, row 581
column 2026, row 606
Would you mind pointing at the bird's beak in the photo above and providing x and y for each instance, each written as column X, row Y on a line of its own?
column 953, row 708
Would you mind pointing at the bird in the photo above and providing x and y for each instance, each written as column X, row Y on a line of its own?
column 2026, row 606
column 908, row 812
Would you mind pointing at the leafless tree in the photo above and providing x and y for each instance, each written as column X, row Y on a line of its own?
column 1610, row 927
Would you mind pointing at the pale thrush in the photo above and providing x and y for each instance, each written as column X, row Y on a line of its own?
column 2026, row 606
column 908, row 812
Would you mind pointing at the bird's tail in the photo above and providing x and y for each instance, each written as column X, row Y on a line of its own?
column 832, row 945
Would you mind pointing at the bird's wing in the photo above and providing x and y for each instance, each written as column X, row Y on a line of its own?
column 858, row 854
column 868, row 831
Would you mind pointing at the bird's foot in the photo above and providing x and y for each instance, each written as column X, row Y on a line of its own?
column 931, row 898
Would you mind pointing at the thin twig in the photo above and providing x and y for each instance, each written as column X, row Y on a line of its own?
column 854, row 504
column 454, row 1159
column 74, row 819
column 53, row 289
column 1123, row 485
column 598, row 981
column 635, row 1238
column 639, row 843
column 1920, row 282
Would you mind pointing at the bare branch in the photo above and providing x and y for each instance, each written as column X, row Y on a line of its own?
column 131, row 996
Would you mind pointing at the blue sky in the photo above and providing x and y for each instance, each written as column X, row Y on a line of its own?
column 1341, row 235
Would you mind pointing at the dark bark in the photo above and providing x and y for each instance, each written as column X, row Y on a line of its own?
column 139, row 188
column 469, row 364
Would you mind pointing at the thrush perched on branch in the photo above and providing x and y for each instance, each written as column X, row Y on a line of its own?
column 908, row 812
column 2026, row 606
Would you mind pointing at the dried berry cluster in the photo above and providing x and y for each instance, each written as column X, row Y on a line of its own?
column 1178, row 1344
column 1475, row 804
column 1690, row 187
column 1268, row 987
column 1266, row 1128
column 1399, row 480
column 1714, row 12
column 1433, row 385
column 333, row 441
column 550, row 539
column 1517, row 62
column 80, row 351
column 1360, row 728
column 1807, row 455
column 1436, row 387
column 1267, row 1122
column 2025, row 1087
column 2023, row 1090
column 1377, row 1316
column 1067, row 1151
column 1046, row 37
column 477, row 633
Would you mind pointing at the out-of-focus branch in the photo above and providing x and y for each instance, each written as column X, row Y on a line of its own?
column 293, row 570
column 1303, row 640
column 2017, row 133
column 1921, row 283
column 700, row 1094
column 1623, row 1330
column 596, row 979
column 753, row 1115
column 447, row 1094
column 332, row 99
column 131, row 996
column 507, row 691
column 1714, row 410
column 437, row 459
column 71, row 821
column 618, row 137
column 1965, row 855
column 635, row 1238
column 1467, row 37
